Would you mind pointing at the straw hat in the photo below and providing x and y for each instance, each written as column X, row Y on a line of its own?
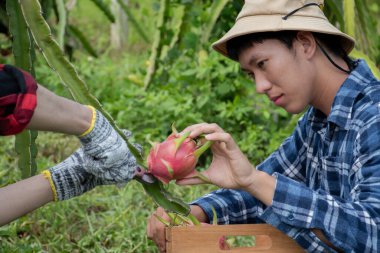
column 278, row 15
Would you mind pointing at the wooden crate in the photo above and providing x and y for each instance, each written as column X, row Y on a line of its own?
column 205, row 239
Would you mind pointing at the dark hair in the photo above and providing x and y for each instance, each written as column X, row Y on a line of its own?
column 236, row 45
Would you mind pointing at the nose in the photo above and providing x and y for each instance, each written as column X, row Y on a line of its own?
column 262, row 84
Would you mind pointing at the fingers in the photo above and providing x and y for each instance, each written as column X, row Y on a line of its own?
column 222, row 137
column 212, row 132
column 156, row 229
column 202, row 128
column 189, row 181
column 194, row 179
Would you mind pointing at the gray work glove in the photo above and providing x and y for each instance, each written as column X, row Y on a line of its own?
column 69, row 178
column 109, row 156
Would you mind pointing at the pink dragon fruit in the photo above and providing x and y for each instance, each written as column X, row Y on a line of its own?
column 223, row 243
column 175, row 158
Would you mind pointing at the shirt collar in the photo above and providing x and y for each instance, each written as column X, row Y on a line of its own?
column 341, row 110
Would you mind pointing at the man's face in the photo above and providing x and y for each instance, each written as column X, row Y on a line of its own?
column 283, row 74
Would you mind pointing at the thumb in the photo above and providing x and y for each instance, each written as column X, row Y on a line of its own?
column 194, row 178
column 189, row 181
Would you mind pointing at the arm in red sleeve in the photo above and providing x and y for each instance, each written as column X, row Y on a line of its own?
column 18, row 99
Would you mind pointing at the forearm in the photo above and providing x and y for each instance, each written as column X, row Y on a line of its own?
column 23, row 197
column 59, row 114
column 199, row 213
column 262, row 187
column 231, row 206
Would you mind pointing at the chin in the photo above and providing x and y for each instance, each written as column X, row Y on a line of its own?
column 295, row 109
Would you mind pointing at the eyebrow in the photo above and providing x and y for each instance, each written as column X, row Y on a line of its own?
column 252, row 60
column 250, row 63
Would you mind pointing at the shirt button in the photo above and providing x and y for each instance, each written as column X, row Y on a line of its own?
column 290, row 217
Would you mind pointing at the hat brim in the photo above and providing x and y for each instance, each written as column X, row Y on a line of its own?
column 272, row 23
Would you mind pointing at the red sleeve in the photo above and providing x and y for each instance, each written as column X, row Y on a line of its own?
column 18, row 99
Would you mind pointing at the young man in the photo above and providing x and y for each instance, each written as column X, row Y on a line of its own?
column 321, row 186
column 104, row 157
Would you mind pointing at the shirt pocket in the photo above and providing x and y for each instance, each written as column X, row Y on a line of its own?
column 332, row 175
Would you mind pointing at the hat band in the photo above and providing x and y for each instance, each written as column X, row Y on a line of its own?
column 349, row 62
column 306, row 5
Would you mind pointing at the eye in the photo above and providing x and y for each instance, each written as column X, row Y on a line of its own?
column 260, row 64
column 251, row 75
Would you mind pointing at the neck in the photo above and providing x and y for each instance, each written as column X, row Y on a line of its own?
column 328, row 81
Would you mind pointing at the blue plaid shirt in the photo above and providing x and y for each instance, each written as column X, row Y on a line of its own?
column 327, row 173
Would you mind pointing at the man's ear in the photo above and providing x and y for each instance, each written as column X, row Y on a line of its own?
column 307, row 43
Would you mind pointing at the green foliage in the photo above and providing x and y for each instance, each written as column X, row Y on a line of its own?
column 133, row 21
column 359, row 20
column 157, row 42
column 76, row 33
column 190, row 84
column 104, row 7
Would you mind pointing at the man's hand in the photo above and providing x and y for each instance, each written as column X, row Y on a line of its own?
column 230, row 168
column 156, row 229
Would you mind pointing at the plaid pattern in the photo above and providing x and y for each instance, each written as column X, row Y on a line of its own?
column 17, row 99
column 328, row 175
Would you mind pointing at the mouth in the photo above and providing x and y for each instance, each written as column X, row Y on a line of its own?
column 276, row 99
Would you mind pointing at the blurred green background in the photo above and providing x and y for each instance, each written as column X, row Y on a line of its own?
column 190, row 84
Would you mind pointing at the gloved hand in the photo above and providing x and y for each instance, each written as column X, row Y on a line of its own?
column 109, row 157
column 69, row 178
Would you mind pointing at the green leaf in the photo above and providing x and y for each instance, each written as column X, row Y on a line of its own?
column 194, row 220
column 349, row 17
column 164, row 199
column 105, row 9
column 76, row 33
column 166, row 223
column 336, row 11
column 358, row 54
column 216, row 9
column 214, row 216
